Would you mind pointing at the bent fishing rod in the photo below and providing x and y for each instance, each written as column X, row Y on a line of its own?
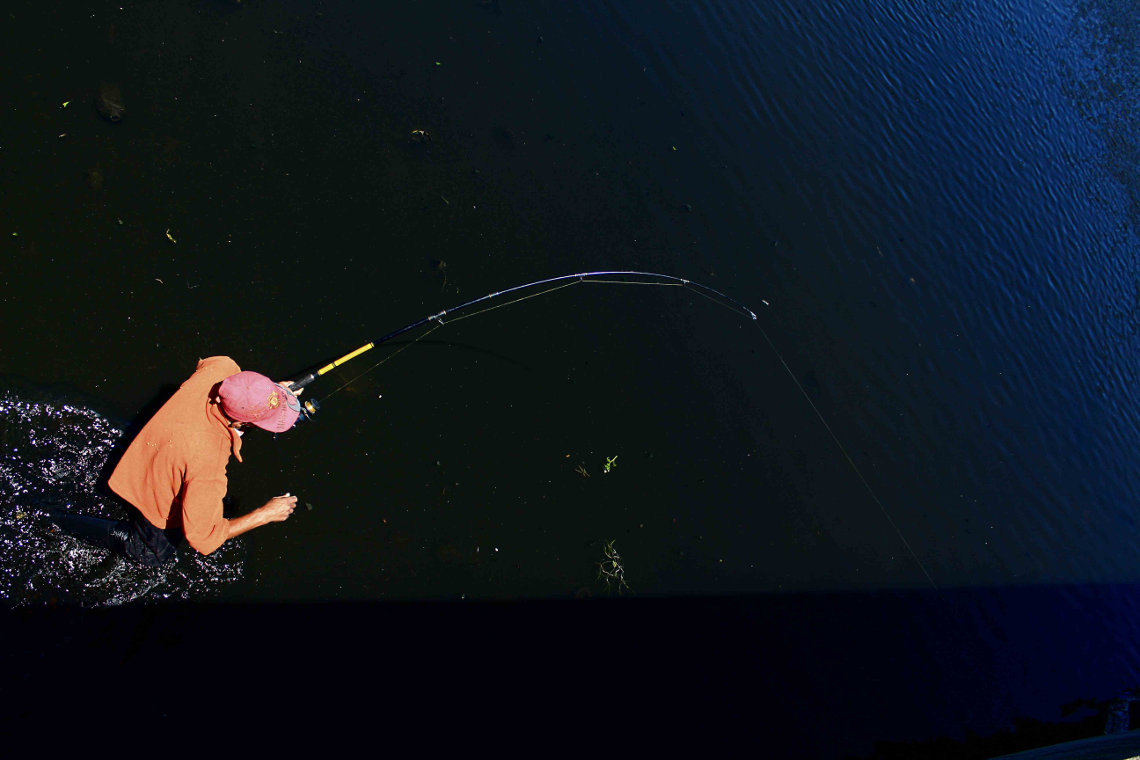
column 542, row 287
column 522, row 293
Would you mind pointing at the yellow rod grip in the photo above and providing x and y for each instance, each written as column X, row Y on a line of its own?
column 343, row 359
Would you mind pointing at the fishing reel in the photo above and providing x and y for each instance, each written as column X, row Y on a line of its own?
column 309, row 408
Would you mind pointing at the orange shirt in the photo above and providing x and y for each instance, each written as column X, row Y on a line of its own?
column 174, row 472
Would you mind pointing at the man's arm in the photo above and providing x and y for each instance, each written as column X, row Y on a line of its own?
column 276, row 509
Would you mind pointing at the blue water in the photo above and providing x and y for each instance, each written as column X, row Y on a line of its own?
column 933, row 219
column 931, row 207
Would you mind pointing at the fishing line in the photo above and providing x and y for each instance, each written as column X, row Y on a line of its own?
column 606, row 278
column 655, row 278
column 850, row 461
column 517, row 300
column 400, row 350
column 440, row 323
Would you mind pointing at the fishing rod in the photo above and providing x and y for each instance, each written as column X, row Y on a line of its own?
column 613, row 277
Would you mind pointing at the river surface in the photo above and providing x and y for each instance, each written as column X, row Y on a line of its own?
column 930, row 206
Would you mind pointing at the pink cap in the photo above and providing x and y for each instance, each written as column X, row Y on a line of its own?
column 253, row 398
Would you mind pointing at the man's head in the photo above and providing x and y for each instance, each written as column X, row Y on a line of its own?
column 253, row 398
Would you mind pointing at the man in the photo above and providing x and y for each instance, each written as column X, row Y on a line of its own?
column 174, row 472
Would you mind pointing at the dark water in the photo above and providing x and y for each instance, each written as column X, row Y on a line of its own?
column 930, row 207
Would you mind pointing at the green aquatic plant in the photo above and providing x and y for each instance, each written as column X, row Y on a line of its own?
column 611, row 570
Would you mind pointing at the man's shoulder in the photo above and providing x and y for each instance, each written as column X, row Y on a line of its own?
column 204, row 448
column 209, row 372
column 223, row 365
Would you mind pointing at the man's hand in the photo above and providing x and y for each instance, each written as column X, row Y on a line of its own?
column 279, row 508
column 288, row 385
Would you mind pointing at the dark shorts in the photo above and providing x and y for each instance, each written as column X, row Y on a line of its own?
column 147, row 544
column 133, row 537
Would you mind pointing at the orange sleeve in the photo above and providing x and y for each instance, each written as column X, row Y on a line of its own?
column 202, row 512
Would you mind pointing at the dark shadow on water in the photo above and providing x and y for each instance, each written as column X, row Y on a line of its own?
column 886, row 674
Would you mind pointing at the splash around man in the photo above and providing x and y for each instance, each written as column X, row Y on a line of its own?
column 173, row 474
